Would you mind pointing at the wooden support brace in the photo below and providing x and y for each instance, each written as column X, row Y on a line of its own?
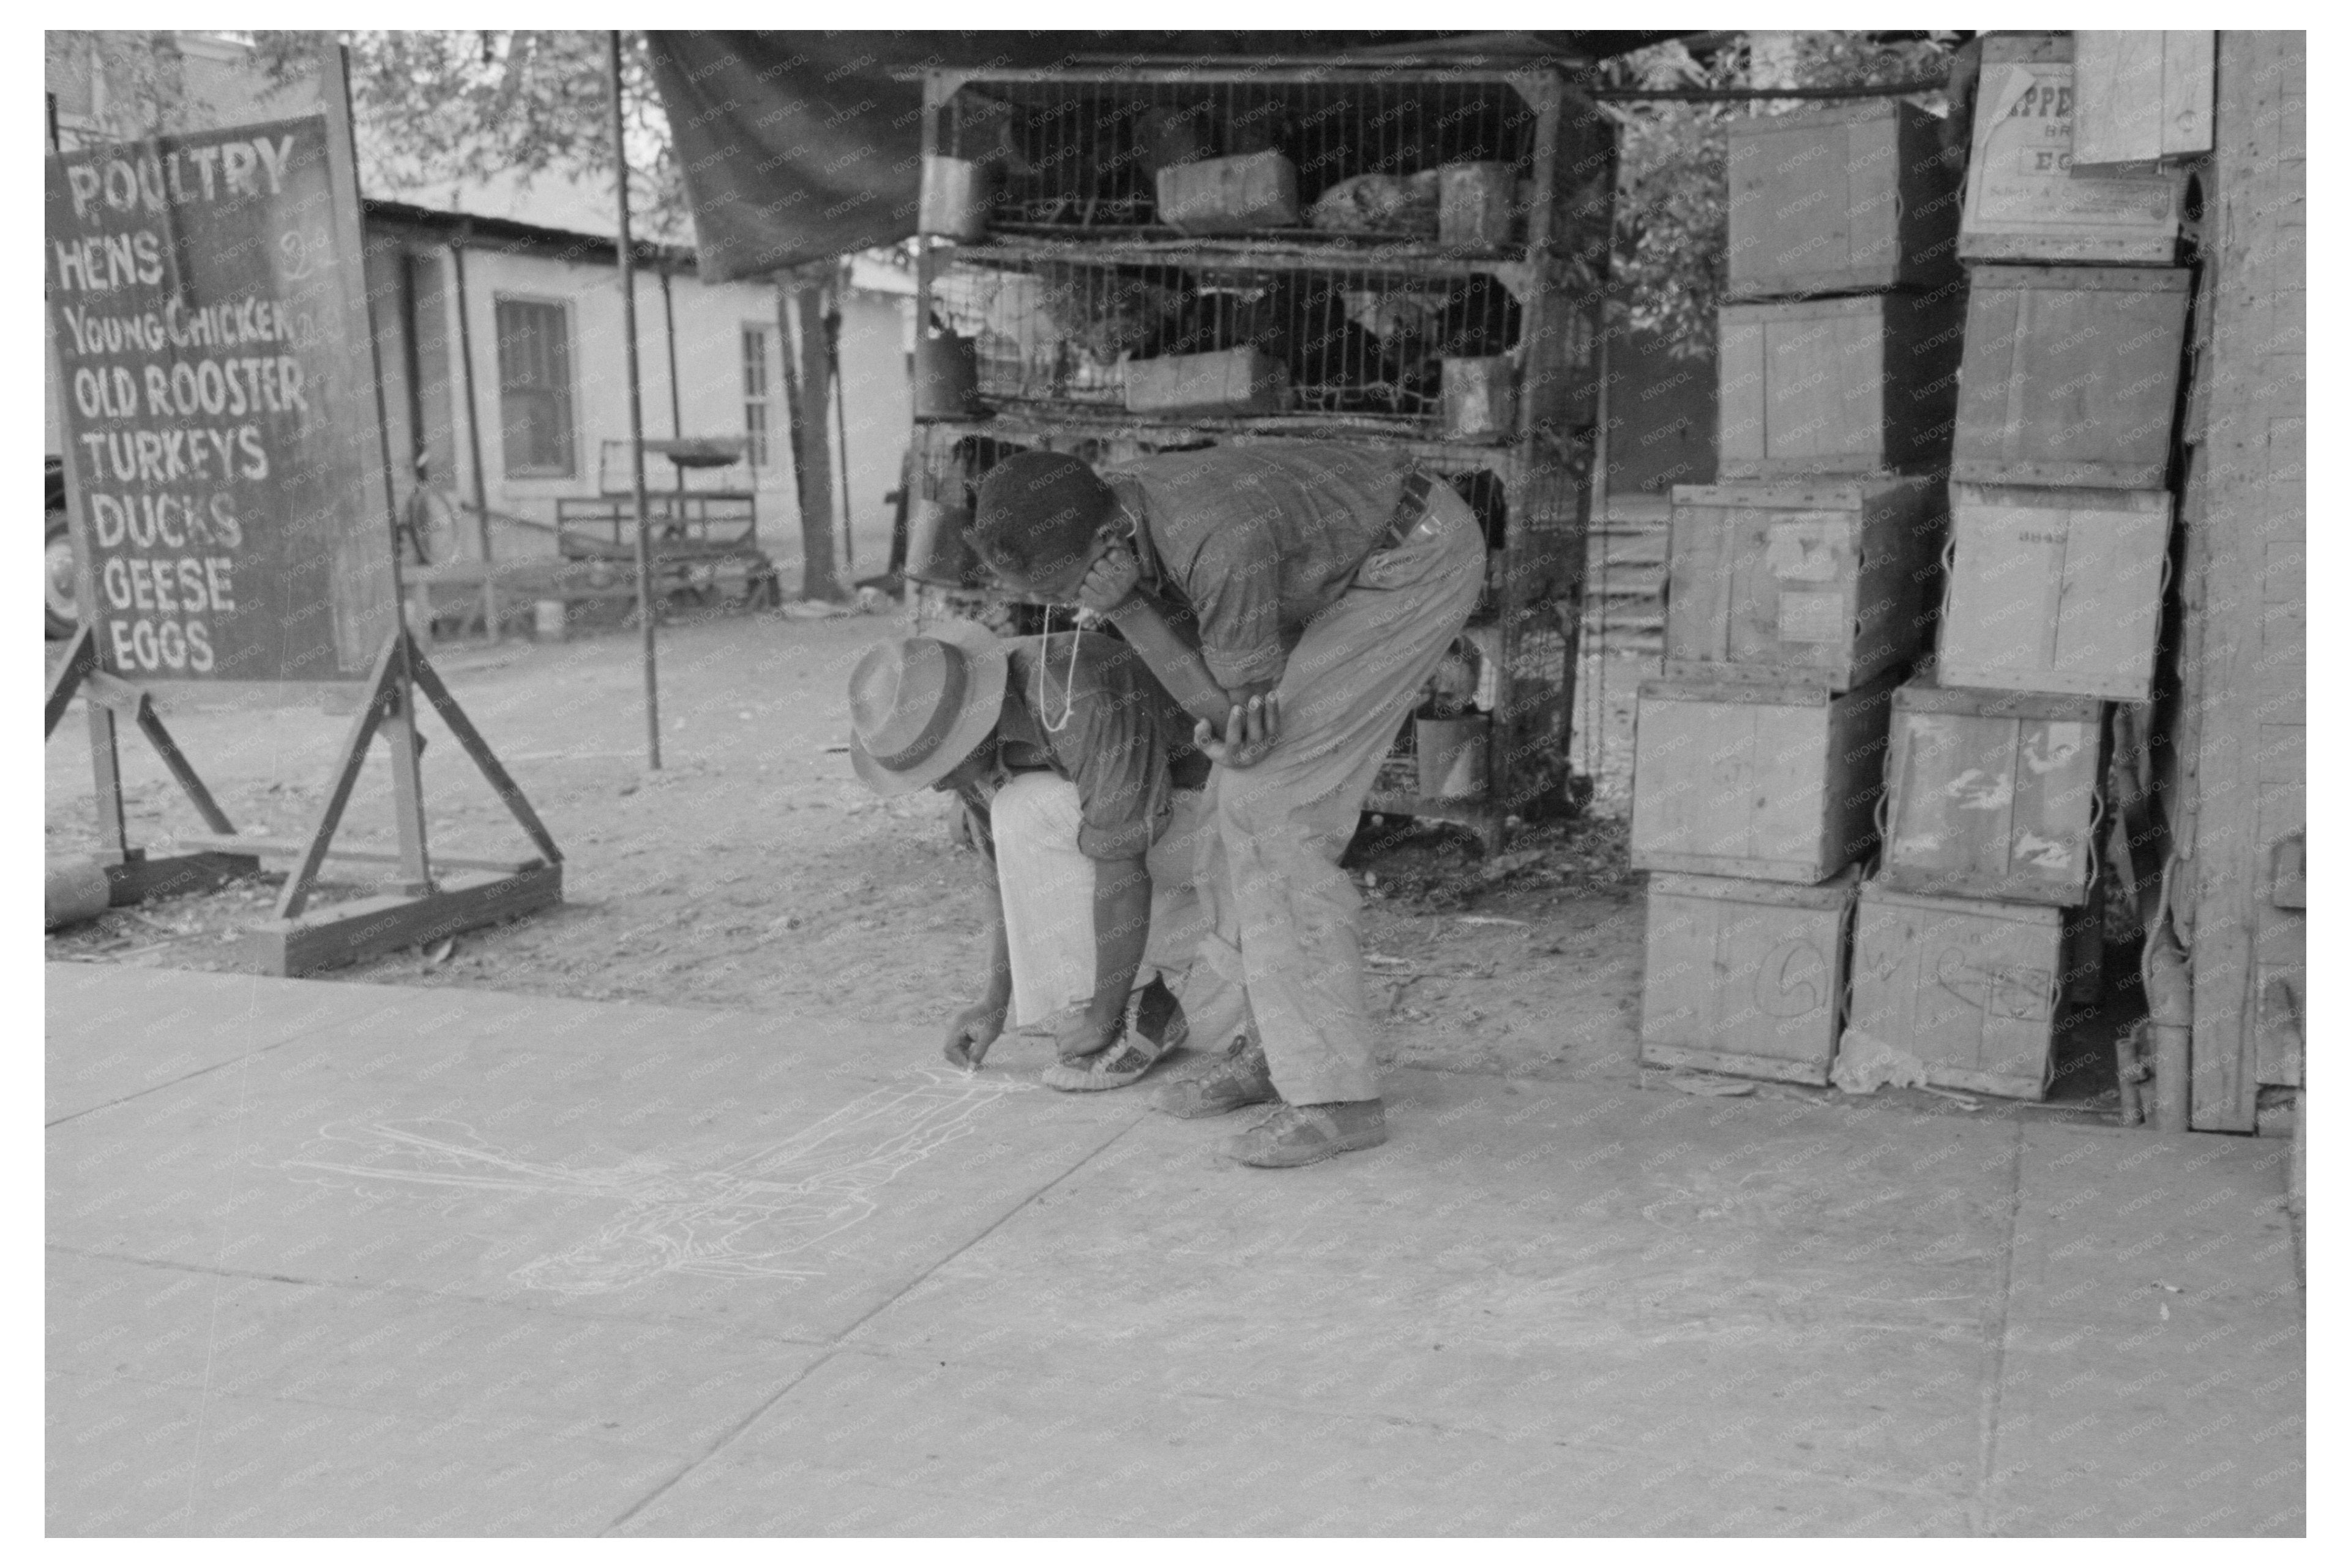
column 229, row 843
column 352, row 757
column 424, row 905
column 80, row 663
column 428, row 681
column 151, row 724
column 365, row 927
column 131, row 876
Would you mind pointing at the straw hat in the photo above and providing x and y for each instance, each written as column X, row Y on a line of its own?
column 918, row 706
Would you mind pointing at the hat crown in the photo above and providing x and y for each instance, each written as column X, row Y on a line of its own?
column 905, row 696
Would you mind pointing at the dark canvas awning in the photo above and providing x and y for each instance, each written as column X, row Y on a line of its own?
column 800, row 146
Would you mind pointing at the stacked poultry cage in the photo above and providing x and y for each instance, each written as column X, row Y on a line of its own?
column 1120, row 261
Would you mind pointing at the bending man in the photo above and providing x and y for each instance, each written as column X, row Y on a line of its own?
column 1325, row 582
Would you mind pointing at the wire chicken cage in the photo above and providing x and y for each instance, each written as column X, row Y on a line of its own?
column 1059, row 152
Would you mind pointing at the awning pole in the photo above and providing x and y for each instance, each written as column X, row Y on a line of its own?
column 636, row 416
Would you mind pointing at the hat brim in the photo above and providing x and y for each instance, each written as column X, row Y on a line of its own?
column 983, row 703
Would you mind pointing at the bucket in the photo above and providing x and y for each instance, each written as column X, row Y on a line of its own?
column 1452, row 755
column 1480, row 398
column 955, row 200
column 937, row 552
column 1473, row 205
column 946, row 376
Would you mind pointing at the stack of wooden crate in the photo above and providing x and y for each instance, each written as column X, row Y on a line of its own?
column 1977, row 923
column 1800, row 590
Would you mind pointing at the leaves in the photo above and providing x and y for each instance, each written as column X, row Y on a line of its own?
column 1672, row 199
column 438, row 108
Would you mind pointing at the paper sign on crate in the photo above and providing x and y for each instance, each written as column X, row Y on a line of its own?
column 2025, row 201
column 1796, row 581
column 1993, row 794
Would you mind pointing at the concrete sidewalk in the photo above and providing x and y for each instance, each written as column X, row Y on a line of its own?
column 341, row 1259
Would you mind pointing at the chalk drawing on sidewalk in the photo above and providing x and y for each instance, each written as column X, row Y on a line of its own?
column 746, row 1219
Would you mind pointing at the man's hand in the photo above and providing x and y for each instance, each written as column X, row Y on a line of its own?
column 1109, row 580
column 974, row 1030
column 1250, row 731
column 1083, row 1035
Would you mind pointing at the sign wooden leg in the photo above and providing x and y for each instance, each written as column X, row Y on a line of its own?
column 132, row 875
column 81, row 658
column 428, row 901
column 428, row 681
column 106, row 782
column 151, row 724
column 353, row 758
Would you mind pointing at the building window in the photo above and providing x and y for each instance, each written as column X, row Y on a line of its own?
column 535, row 388
column 754, row 395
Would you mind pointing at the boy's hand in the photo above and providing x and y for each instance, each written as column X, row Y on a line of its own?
column 974, row 1030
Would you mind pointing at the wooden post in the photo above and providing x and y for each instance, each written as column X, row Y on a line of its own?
column 407, row 782
column 804, row 391
column 841, row 419
column 472, row 410
column 646, row 607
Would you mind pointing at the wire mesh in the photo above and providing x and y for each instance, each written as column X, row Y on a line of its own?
column 1087, row 153
column 1349, row 340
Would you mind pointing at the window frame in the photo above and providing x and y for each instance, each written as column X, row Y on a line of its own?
column 567, row 395
column 759, row 440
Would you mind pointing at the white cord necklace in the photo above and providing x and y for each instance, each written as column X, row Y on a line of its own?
column 1068, row 684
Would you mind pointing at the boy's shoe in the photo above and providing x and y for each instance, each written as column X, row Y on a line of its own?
column 1238, row 1078
column 1302, row 1135
column 1113, row 1067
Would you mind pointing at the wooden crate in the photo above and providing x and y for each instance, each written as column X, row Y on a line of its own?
column 1832, row 201
column 2054, row 590
column 1821, row 581
column 1993, row 794
column 2024, row 200
column 1864, row 385
column 1736, row 778
column 2140, row 96
column 1745, row 977
column 2070, row 375
column 1231, row 380
column 1969, row 988
column 1229, row 196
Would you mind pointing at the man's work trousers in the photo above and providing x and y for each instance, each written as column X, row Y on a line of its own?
column 1285, row 952
column 1048, row 890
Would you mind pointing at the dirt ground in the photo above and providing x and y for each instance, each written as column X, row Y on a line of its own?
column 752, row 870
